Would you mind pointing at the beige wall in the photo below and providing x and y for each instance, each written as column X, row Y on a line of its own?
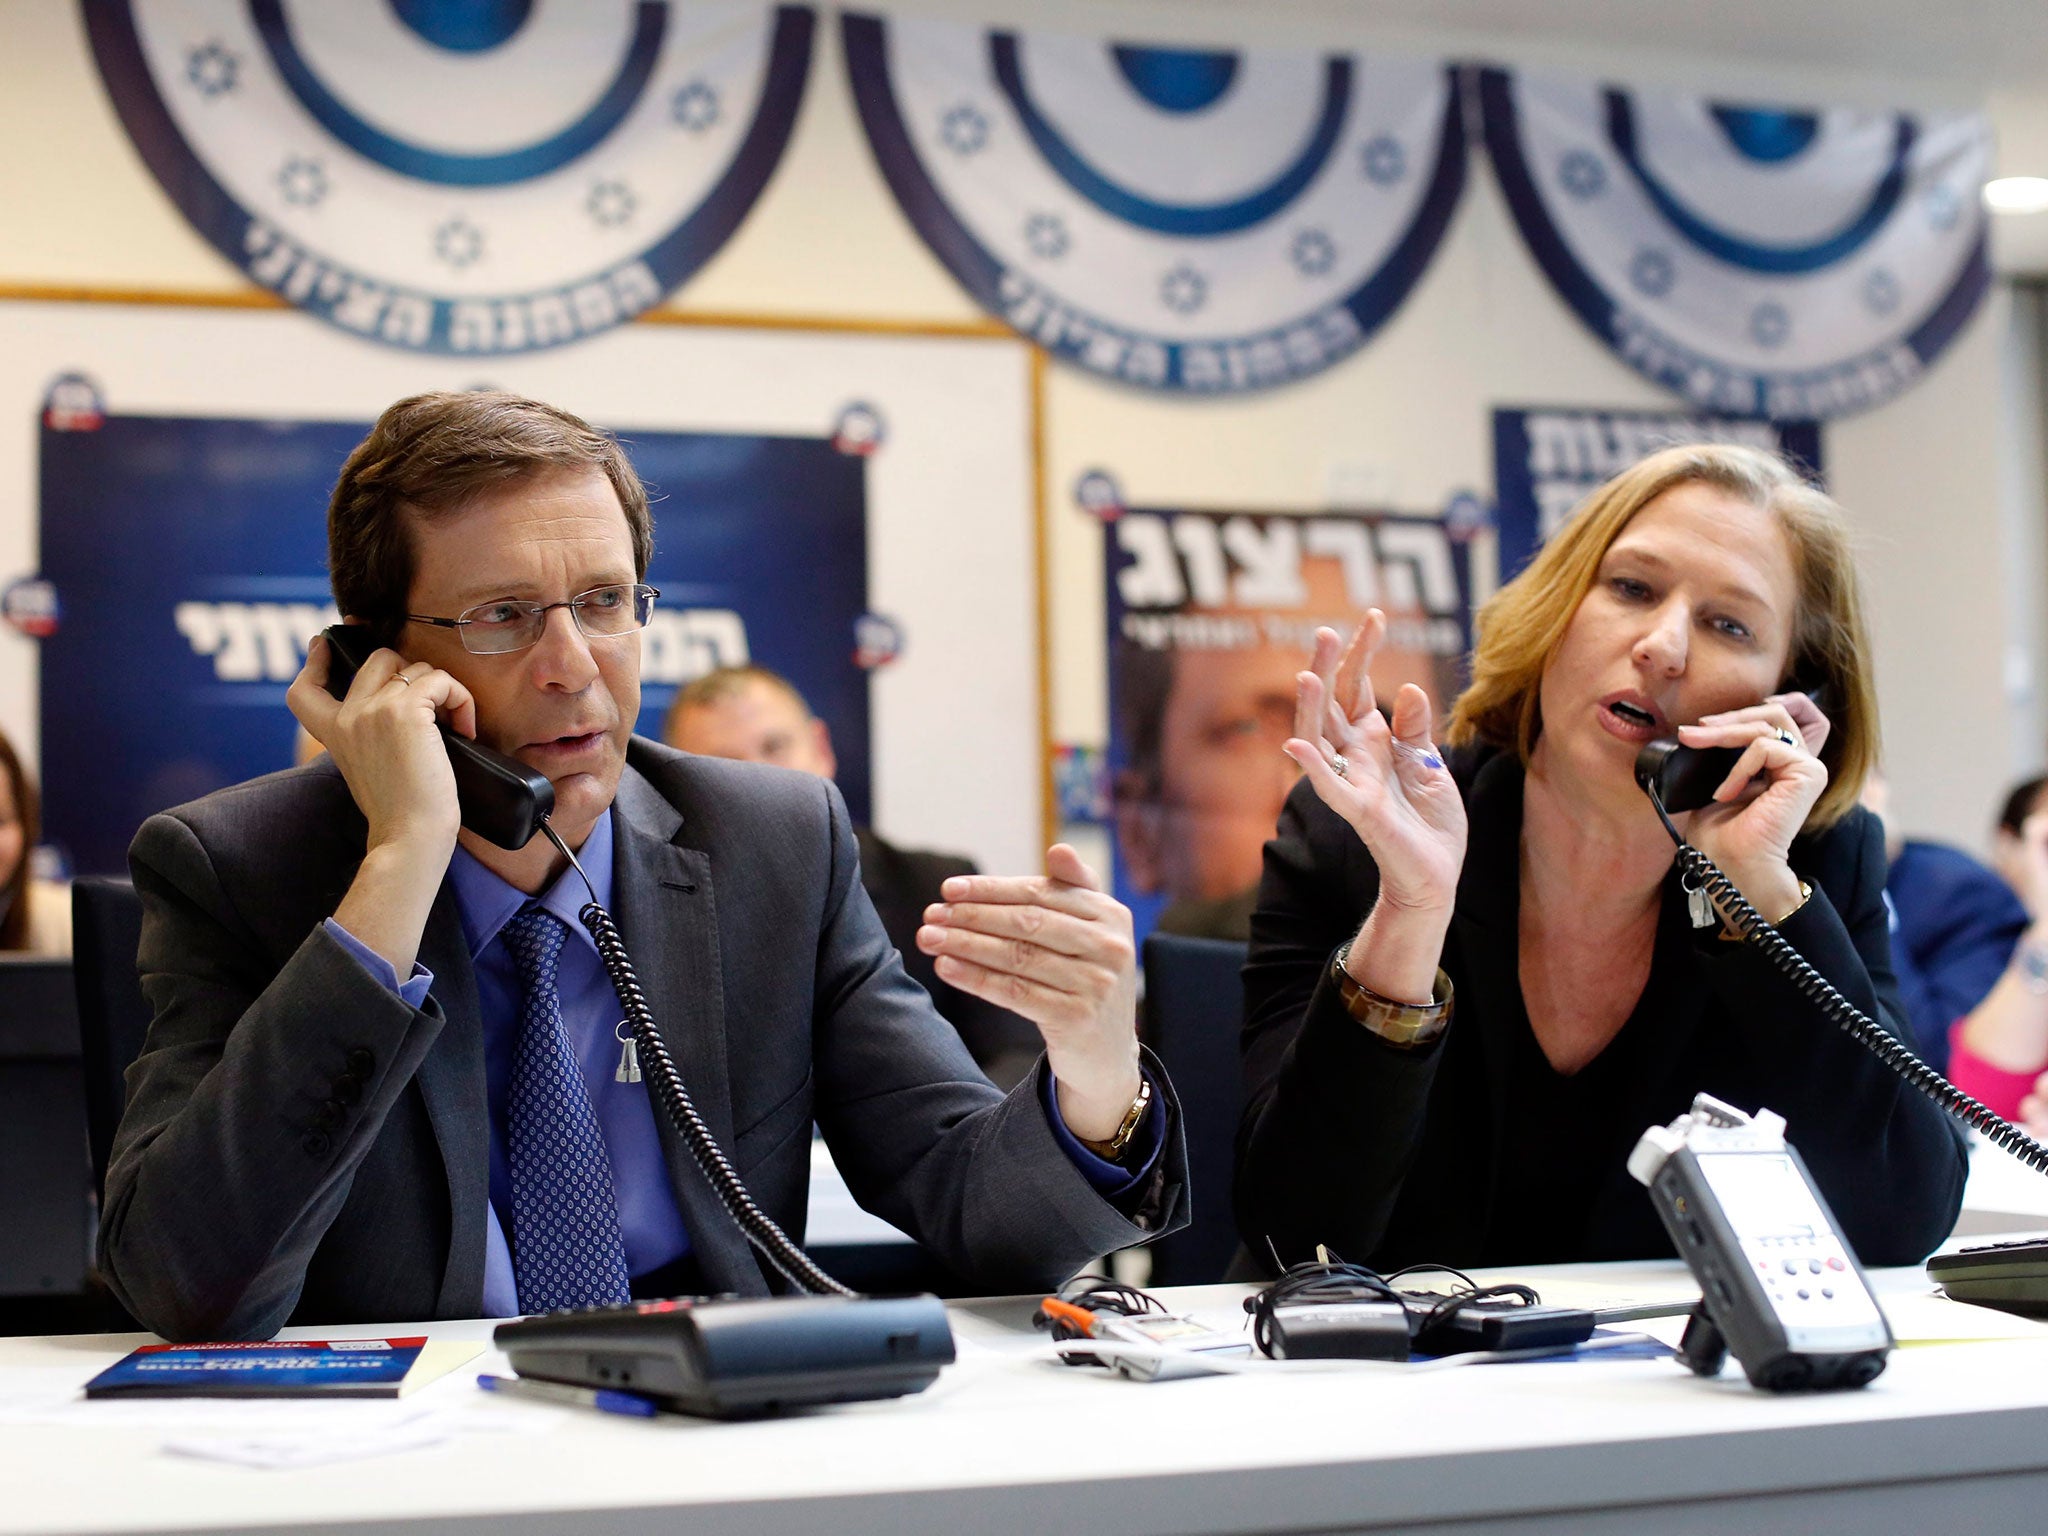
column 1940, row 481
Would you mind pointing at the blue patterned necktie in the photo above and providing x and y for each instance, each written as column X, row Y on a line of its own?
column 567, row 1251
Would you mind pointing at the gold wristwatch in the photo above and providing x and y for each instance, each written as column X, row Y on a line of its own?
column 1113, row 1149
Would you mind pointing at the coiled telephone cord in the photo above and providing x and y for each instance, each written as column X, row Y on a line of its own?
column 758, row 1227
column 1703, row 874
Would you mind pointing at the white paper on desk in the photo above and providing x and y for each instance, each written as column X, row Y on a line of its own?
column 308, row 1445
column 38, row 1394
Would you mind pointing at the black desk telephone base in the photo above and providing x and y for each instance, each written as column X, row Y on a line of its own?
column 733, row 1358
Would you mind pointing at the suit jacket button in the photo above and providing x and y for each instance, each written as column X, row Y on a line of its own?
column 348, row 1088
column 361, row 1062
column 317, row 1144
column 329, row 1115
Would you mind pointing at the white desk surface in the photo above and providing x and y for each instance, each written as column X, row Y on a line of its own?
column 2003, row 1195
column 1008, row 1440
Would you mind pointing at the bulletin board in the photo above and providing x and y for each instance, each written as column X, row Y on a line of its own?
column 858, row 508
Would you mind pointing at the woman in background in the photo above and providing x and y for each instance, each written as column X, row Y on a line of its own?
column 35, row 915
column 1527, row 884
column 1999, row 1050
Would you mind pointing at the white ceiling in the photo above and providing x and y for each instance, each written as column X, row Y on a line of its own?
column 1972, row 43
column 1967, row 46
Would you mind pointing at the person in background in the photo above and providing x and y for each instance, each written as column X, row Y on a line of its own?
column 1999, row 1052
column 2008, row 847
column 35, row 915
column 754, row 715
column 1203, row 778
column 1954, row 924
column 1523, row 881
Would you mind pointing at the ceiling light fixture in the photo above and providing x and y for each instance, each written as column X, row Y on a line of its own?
column 2017, row 194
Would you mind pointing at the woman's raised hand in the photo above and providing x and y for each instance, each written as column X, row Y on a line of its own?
column 1389, row 783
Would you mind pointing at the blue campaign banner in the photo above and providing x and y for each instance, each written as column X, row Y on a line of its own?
column 1547, row 459
column 189, row 559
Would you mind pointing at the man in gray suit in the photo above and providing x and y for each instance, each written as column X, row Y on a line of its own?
column 379, row 1084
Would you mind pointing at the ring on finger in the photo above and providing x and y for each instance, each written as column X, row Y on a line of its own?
column 1338, row 766
column 400, row 677
column 1788, row 738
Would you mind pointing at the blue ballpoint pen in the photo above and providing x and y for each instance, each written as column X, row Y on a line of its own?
column 628, row 1404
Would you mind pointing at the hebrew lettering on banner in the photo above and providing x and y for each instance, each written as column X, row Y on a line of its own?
column 1761, row 262
column 169, row 681
column 1193, row 221
column 459, row 178
column 1548, row 459
column 1211, row 615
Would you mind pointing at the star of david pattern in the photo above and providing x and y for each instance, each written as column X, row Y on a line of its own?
column 473, row 248
column 565, row 1218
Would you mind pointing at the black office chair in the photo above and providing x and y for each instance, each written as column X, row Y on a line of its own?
column 1194, row 1006
column 106, row 928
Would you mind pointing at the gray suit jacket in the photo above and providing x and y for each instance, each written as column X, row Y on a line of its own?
column 301, row 1146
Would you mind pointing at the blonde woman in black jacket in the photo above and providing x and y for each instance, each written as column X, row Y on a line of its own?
column 1474, row 979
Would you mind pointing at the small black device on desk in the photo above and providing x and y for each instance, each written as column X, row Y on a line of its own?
column 2012, row 1276
column 1326, row 1309
column 734, row 1357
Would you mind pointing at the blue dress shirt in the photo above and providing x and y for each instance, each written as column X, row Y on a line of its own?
column 649, row 1219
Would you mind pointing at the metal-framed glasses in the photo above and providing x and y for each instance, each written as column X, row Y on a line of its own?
column 602, row 613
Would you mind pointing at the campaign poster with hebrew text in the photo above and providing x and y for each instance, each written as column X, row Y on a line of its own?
column 1211, row 614
column 167, row 679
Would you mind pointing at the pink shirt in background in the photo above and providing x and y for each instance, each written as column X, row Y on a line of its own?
column 1995, row 1087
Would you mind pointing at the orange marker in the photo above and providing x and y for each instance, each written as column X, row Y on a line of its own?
column 1078, row 1318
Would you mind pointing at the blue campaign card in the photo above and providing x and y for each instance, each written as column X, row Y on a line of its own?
column 343, row 1368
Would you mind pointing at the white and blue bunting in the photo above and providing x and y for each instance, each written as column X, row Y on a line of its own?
column 459, row 176
column 1191, row 221
column 1762, row 262
column 485, row 177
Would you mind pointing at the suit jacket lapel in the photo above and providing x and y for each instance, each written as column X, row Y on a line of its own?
column 451, row 1080
column 664, row 905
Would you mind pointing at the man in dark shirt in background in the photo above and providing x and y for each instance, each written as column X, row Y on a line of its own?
column 756, row 715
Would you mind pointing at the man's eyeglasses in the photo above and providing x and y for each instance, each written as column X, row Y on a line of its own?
column 602, row 613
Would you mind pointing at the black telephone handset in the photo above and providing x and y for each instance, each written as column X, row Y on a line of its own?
column 502, row 799
column 1683, row 778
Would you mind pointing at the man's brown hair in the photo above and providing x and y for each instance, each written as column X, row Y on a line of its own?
column 429, row 455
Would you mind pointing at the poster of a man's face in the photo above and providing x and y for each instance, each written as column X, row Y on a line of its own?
column 1202, row 692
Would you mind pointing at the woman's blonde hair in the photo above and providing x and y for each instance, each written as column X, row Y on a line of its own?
column 1521, row 626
